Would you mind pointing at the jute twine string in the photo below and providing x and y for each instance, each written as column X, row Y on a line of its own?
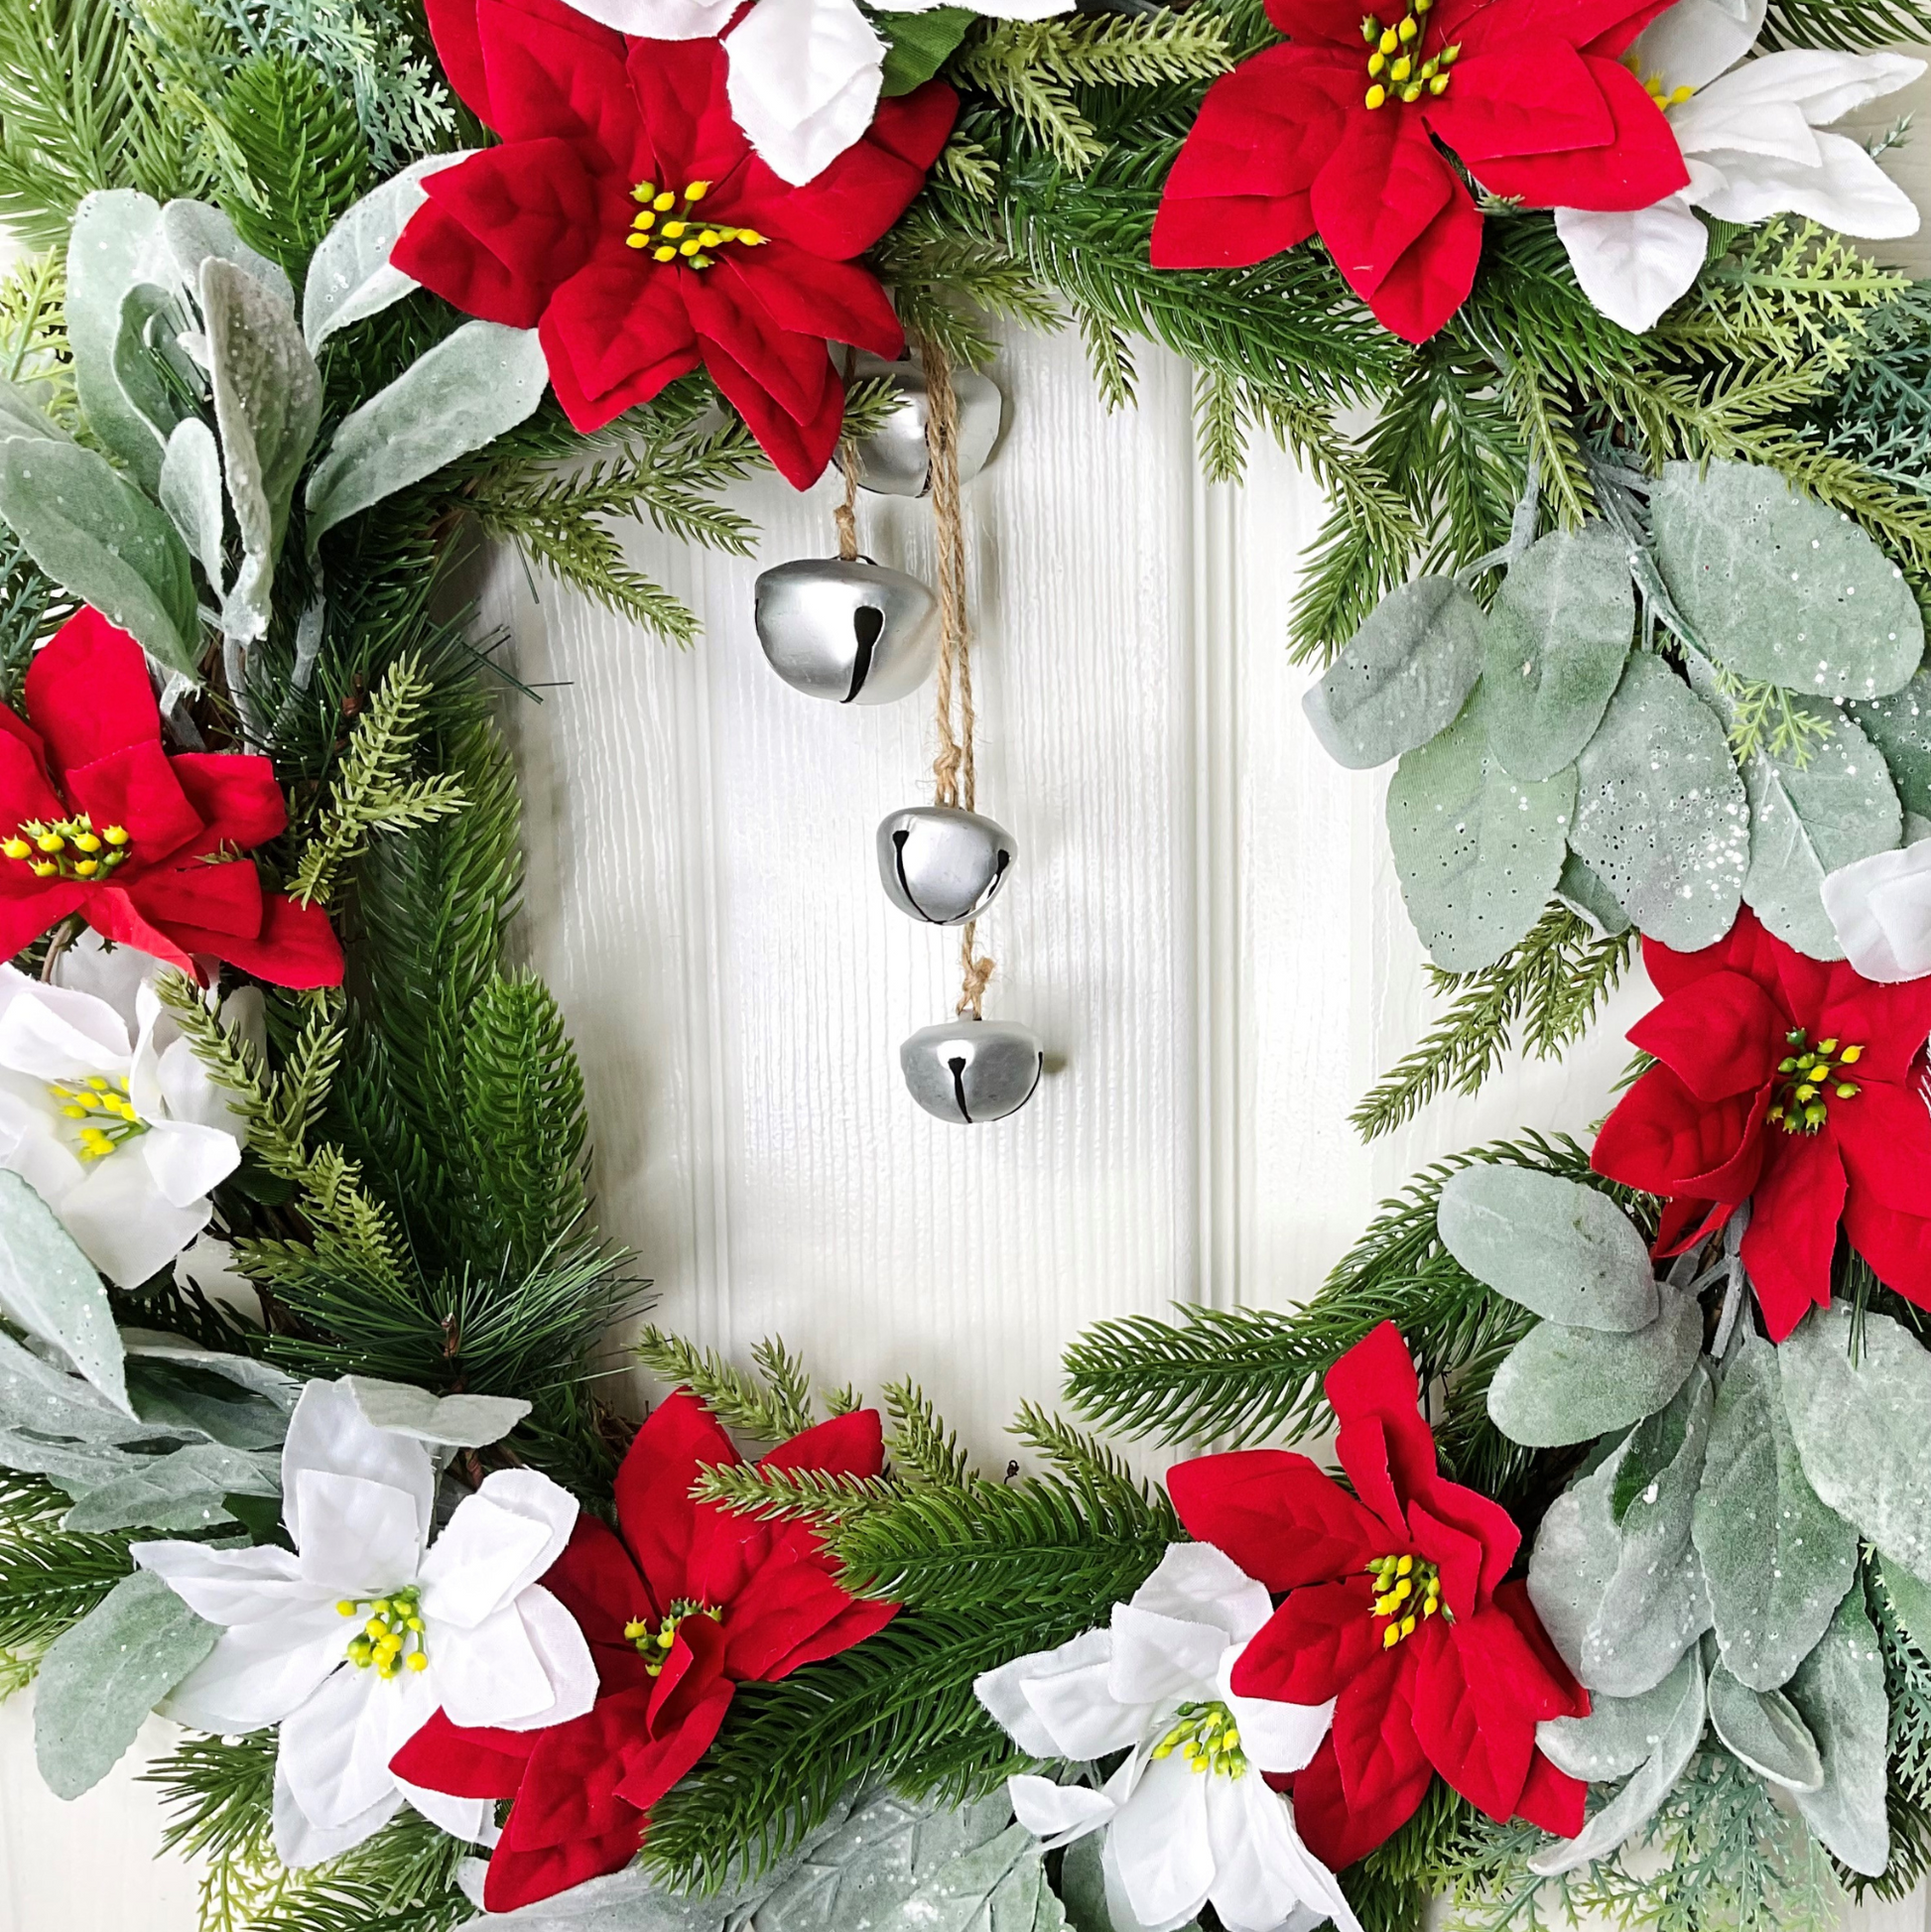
column 846, row 516
column 955, row 774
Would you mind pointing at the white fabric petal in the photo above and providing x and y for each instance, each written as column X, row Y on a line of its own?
column 1261, row 1868
column 568, row 1665
column 300, row 1842
column 1696, row 40
column 358, row 1538
column 185, row 1160
column 56, row 1033
column 988, row 9
column 804, row 81
column 1078, row 1712
column 109, row 973
column 1160, row 1844
column 260, row 1673
column 1059, row 1812
column 1197, row 1582
column 1848, row 191
column 328, row 1432
column 1880, row 910
column 1633, row 264
column 1009, row 1694
column 661, row 20
column 231, row 1585
column 188, row 1094
column 469, row 1819
column 1160, row 1659
column 497, row 1543
column 1820, row 85
column 488, row 1674
column 1275, row 1737
column 1720, row 121
column 337, row 1748
column 124, row 1224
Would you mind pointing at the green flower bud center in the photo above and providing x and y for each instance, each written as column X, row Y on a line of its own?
column 1407, row 1593
column 1207, row 1737
column 391, row 1639
column 654, row 1641
column 1812, row 1076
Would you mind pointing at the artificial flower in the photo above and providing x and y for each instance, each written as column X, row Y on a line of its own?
column 1880, row 910
column 352, row 1639
column 1396, row 1608
column 1750, row 140
column 1188, row 1816
column 146, row 846
column 1336, row 133
column 686, row 1604
column 111, row 1119
column 805, row 74
column 1792, row 1084
column 625, row 218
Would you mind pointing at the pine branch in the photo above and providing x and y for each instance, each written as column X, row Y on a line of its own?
column 942, row 282
column 770, row 1408
column 50, row 1578
column 920, row 1445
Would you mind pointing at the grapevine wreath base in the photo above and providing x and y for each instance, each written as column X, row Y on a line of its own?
column 1617, row 1597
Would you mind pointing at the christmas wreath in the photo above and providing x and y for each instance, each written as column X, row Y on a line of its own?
column 1620, row 1599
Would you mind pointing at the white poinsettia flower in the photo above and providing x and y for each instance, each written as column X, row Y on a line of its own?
column 1187, row 1817
column 804, row 75
column 107, row 1114
column 353, row 1640
column 1880, row 910
column 1752, row 140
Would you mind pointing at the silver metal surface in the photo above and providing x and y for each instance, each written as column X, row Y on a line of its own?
column 940, row 863
column 850, row 633
column 968, row 1071
column 894, row 461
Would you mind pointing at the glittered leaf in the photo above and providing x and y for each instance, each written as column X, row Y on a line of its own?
column 1899, row 726
column 1565, row 1250
column 1562, row 1384
column 1781, row 588
column 450, row 1421
column 190, row 493
column 182, row 1492
column 116, row 242
column 1619, row 1735
column 1477, row 853
column 101, row 1678
column 1660, row 813
column 1839, row 1694
column 1404, row 675
column 1581, row 890
column 1860, row 1427
column 1553, row 653
column 198, row 232
column 52, row 1290
column 1778, row 1560
column 21, row 414
column 1764, row 1731
column 149, row 318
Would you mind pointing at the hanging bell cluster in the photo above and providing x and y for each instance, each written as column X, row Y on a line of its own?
column 942, row 863
column 852, row 633
column 896, row 460
column 968, row 1071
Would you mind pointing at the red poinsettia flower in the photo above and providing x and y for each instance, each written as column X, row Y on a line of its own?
column 1794, row 1084
column 625, row 217
column 96, row 819
column 1395, row 1607
column 1341, row 132
column 690, row 1602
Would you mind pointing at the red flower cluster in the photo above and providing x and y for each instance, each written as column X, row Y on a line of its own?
column 1395, row 1607
column 1341, row 132
column 1792, row 1084
column 96, row 819
column 690, row 1602
column 625, row 217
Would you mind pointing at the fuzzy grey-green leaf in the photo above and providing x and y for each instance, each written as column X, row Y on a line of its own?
column 1764, row 1731
column 1565, row 1250
column 52, row 1290
column 190, row 493
column 1660, row 813
column 1840, row 1695
column 1553, row 652
column 1581, row 890
column 1404, row 675
column 451, row 1421
column 1560, row 1385
column 1781, row 588
column 1619, row 1735
column 116, row 242
column 1909, row 1598
column 1778, row 1559
column 180, row 1492
column 1477, row 852
column 100, row 1679
column 1899, row 726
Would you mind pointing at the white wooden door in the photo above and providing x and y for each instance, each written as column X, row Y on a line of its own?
column 1202, row 928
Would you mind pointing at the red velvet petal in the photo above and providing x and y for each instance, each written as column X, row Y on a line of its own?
column 113, row 915
column 224, row 898
column 1886, row 1134
column 811, row 297
column 653, row 1490
column 570, row 1784
column 1635, row 168
column 1889, row 1022
column 1720, row 1036
column 1661, row 1137
column 913, row 128
column 1794, row 1211
column 466, row 1763
column 236, row 796
column 1432, row 279
column 1459, row 1556
column 1265, row 130
column 679, row 87
column 136, row 789
column 552, row 71
column 25, row 915
column 793, row 371
column 689, row 1675
column 1381, row 187
column 1479, row 1697
column 1569, row 1698
column 1481, row 1519
column 1334, row 1833
column 502, row 231
column 787, row 1602
column 88, row 692
column 1897, row 1245
column 1384, row 1768
column 1313, row 1646
column 602, row 1589
column 652, row 1765
column 452, row 27
column 1670, row 970
column 25, row 792
column 296, row 946
column 1527, row 95
column 611, row 344
column 852, row 1625
column 1322, row 23
column 1552, row 1798
column 853, row 1443
column 524, row 1877
column 799, row 449
column 1276, row 1515
column 1233, row 233
column 1375, row 1381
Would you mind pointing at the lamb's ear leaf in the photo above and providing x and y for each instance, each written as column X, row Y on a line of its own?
column 1839, row 1692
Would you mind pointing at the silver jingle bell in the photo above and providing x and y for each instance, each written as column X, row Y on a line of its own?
column 852, row 633
column 940, row 863
column 967, row 1070
column 895, row 460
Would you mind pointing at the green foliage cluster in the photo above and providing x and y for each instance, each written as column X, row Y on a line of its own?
column 49, row 1577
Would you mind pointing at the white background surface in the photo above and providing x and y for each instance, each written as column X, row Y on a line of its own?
column 1202, row 926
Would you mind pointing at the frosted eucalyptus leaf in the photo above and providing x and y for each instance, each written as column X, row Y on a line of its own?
column 1660, row 813
column 1575, row 1554
column 1909, row 1598
column 1557, row 638
column 1899, row 726
column 1619, row 1735
column 1778, row 1560
column 1763, row 1730
column 468, row 390
column 1860, row 1427
column 103, row 542
column 116, row 242
column 1639, row 1800
column 163, row 1351
column 1565, row 1250
column 100, row 1679
column 1404, row 675
column 180, row 1492
column 1839, row 1693
column 41, row 1398
column 450, row 1421
column 267, row 406
column 1477, row 853
column 1779, row 588
column 197, row 233
column 52, row 1290
column 350, row 276
column 999, row 1887
column 1581, row 890
column 21, row 414
column 190, row 493
column 1560, row 1385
